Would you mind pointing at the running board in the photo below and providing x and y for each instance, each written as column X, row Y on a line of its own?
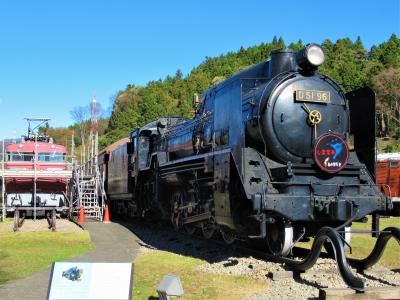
column 324, row 234
column 197, row 218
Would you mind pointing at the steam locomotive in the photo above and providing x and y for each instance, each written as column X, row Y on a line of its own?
column 274, row 153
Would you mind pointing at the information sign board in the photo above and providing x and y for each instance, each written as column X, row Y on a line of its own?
column 78, row 280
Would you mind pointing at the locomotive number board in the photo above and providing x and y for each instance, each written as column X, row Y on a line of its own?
column 313, row 96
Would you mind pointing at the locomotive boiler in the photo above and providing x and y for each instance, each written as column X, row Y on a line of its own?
column 277, row 153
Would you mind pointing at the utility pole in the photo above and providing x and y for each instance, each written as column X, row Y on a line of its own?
column 94, row 128
column 3, row 187
column 73, row 149
column 34, row 179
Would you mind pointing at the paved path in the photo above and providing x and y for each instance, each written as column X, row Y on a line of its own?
column 113, row 243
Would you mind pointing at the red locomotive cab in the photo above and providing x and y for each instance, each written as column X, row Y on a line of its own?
column 36, row 168
column 47, row 156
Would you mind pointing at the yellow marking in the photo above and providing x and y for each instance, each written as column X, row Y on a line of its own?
column 315, row 117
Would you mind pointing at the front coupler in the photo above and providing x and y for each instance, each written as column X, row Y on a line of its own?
column 331, row 234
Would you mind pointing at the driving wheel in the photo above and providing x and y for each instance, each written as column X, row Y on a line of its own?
column 190, row 229
column 208, row 230
column 228, row 236
column 176, row 214
column 279, row 238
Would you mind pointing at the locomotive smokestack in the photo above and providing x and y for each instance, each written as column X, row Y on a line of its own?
column 281, row 61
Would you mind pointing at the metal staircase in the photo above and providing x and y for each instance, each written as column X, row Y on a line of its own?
column 89, row 191
column 87, row 185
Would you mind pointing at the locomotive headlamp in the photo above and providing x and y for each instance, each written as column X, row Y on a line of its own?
column 315, row 55
column 310, row 57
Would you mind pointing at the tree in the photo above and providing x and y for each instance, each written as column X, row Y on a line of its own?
column 387, row 86
column 80, row 114
column 296, row 46
column 388, row 53
column 346, row 62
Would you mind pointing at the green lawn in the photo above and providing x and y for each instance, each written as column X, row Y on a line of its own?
column 151, row 267
column 362, row 244
column 23, row 253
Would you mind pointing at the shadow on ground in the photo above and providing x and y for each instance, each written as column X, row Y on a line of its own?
column 163, row 237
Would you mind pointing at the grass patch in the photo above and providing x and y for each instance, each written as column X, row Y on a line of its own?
column 151, row 267
column 363, row 244
column 23, row 253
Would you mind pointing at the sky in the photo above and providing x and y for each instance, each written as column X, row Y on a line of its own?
column 55, row 54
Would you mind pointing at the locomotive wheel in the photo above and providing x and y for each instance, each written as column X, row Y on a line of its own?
column 228, row 236
column 208, row 230
column 190, row 229
column 279, row 238
column 176, row 214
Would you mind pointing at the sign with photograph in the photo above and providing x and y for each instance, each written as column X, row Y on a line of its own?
column 77, row 280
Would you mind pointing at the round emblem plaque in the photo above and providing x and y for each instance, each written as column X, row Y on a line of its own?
column 331, row 153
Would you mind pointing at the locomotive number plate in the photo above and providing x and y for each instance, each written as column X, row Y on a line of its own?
column 313, row 96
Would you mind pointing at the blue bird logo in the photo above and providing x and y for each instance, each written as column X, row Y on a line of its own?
column 338, row 147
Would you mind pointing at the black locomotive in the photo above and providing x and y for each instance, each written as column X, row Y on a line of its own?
column 274, row 153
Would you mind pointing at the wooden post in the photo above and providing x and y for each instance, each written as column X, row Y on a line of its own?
column 375, row 225
column 16, row 219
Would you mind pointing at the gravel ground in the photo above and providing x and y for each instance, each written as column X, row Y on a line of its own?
column 324, row 274
column 220, row 260
column 62, row 225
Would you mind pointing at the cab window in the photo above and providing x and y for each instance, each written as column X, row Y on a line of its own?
column 51, row 157
column 394, row 164
column 20, row 156
column 143, row 151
